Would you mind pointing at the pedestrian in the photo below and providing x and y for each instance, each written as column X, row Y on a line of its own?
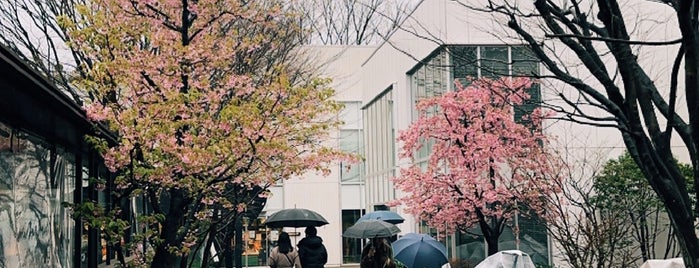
column 311, row 250
column 283, row 255
column 377, row 254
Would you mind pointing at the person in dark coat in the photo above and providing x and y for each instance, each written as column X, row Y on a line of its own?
column 312, row 252
column 377, row 254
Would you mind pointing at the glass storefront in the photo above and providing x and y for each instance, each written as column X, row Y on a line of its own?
column 351, row 247
column 255, row 243
column 35, row 180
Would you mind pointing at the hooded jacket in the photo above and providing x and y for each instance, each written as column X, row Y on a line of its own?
column 312, row 252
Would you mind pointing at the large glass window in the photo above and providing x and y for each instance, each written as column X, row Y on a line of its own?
column 470, row 248
column 464, row 61
column 471, row 62
column 35, row 179
column 533, row 237
column 524, row 63
column 464, row 64
column 429, row 80
column 494, row 62
column 380, row 148
column 530, row 236
column 351, row 247
column 351, row 141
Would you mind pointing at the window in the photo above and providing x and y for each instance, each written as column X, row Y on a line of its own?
column 533, row 238
column 463, row 63
column 351, row 247
column 494, row 62
column 430, row 79
column 497, row 61
column 351, row 115
column 380, row 153
column 36, row 178
column 351, row 141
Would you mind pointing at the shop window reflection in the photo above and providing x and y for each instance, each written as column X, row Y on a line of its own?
column 255, row 243
column 35, row 227
column 351, row 247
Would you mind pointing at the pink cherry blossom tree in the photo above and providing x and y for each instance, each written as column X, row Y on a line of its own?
column 483, row 167
column 202, row 103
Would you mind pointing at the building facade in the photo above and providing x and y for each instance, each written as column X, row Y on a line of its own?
column 46, row 164
column 379, row 87
column 438, row 43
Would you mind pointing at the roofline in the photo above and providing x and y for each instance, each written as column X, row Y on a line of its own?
column 48, row 87
column 392, row 32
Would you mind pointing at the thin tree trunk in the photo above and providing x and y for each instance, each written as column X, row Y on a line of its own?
column 239, row 242
column 228, row 250
column 207, row 246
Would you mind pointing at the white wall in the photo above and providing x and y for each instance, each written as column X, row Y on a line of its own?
column 325, row 194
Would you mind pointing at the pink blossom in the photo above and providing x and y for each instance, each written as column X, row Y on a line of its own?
column 480, row 158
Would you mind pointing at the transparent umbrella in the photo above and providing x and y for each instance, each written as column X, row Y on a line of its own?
column 669, row 263
column 507, row 259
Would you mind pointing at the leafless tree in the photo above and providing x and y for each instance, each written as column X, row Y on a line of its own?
column 32, row 30
column 597, row 227
column 607, row 42
column 349, row 22
column 587, row 234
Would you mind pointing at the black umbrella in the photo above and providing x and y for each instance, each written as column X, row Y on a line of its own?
column 370, row 229
column 295, row 217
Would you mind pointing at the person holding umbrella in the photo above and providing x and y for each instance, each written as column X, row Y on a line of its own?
column 377, row 254
column 284, row 255
column 312, row 252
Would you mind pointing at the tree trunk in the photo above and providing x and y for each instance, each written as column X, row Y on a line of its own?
column 239, row 242
column 228, row 250
column 667, row 183
column 490, row 233
column 676, row 204
column 644, row 240
column 686, row 234
column 682, row 219
column 163, row 258
column 492, row 243
column 207, row 245
column 174, row 217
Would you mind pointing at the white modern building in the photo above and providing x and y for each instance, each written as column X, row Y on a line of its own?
column 440, row 42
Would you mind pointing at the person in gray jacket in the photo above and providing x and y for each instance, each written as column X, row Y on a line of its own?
column 312, row 252
column 283, row 255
